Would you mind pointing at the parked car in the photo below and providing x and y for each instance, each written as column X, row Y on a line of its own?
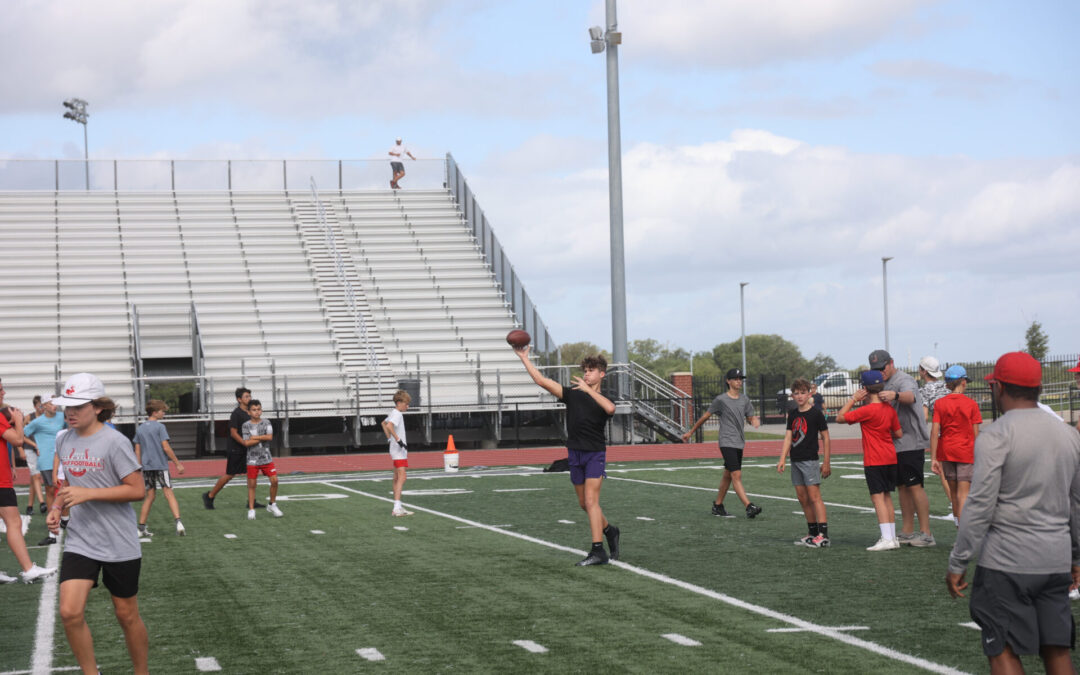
column 836, row 387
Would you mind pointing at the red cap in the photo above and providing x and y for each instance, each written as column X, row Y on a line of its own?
column 1017, row 368
column 1076, row 369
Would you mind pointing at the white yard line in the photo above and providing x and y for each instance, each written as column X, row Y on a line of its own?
column 681, row 640
column 865, row 509
column 41, row 662
column 530, row 646
column 800, row 630
column 824, row 631
column 370, row 654
column 207, row 664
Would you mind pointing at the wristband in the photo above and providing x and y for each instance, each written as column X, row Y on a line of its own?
column 57, row 508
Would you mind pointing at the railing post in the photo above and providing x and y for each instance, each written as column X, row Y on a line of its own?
column 56, row 170
column 339, row 181
column 285, row 175
column 479, row 383
column 228, row 171
column 172, row 173
column 115, row 182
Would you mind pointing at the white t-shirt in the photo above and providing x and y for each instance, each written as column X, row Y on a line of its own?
column 398, row 152
column 398, row 420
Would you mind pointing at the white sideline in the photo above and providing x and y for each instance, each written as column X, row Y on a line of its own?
column 749, row 494
column 824, row 631
column 681, row 640
column 530, row 646
column 41, row 662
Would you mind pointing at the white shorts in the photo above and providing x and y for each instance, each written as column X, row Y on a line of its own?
column 398, row 452
column 31, row 460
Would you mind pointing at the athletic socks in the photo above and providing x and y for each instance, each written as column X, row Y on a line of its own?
column 823, row 529
column 888, row 530
column 812, row 528
column 598, row 547
column 397, row 505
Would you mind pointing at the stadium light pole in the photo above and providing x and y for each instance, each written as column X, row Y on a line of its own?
column 885, row 296
column 742, row 322
column 76, row 112
column 609, row 40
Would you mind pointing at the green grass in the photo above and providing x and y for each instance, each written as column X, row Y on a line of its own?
column 713, row 435
column 445, row 596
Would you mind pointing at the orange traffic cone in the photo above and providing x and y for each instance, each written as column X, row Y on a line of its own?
column 450, row 456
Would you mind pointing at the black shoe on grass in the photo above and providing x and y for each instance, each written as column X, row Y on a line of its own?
column 719, row 510
column 612, row 536
column 207, row 501
column 258, row 505
column 752, row 510
column 43, row 508
column 594, row 558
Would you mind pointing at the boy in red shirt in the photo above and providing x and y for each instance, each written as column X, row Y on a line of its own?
column 880, row 425
column 952, row 437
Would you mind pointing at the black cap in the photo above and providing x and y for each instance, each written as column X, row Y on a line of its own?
column 734, row 374
column 879, row 358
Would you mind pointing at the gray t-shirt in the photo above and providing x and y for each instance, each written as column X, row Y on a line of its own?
column 258, row 454
column 732, row 414
column 102, row 531
column 1025, row 490
column 149, row 437
column 916, row 435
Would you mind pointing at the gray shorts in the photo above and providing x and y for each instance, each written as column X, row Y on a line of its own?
column 807, row 472
column 31, row 461
column 957, row 471
column 154, row 479
column 47, row 478
column 1025, row 611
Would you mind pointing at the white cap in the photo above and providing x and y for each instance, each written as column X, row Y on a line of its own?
column 79, row 389
column 930, row 365
column 398, row 139
column 47, row 397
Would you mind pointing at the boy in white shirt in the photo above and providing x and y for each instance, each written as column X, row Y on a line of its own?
column 394, row 428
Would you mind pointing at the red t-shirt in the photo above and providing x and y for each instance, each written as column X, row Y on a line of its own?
column 955, row 414
column 878, row 421
column 5, row 466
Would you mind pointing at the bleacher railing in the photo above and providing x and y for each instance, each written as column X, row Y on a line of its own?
column 153, row 175
column 520, row 302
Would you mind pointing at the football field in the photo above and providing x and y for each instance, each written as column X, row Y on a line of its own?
column 482, row 579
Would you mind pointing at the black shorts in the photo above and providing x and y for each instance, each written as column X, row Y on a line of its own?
column 910, row 466
column 121, row 578
column 881, row 478
column 732, row 458
column 397, row 167
column 7, row 497
column 236, row 463
column 154, row 479
column 1025, row 611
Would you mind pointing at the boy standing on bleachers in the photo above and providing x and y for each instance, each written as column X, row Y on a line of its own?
column 880, row 425
column 257, row 436
column 952, row 438
column 804, row 424
column 151, row 448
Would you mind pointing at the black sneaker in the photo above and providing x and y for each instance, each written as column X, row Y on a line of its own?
column 43, row 509
column 207, row 500
column 258, row 505
column 47, row 541
column 752, row 510
column 30, row 510
column 719, row 510
column 594, row 558
column 613, row 541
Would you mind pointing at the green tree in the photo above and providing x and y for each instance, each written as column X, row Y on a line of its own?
column 572, row 353
column 765, row 354
column 661, row 359
column 1038, row 344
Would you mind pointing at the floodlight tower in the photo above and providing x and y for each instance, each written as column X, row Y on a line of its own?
column 76, row 112
column 599, row 41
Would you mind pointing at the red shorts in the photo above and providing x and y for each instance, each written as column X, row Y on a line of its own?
column 268, row 470
column 401, row 463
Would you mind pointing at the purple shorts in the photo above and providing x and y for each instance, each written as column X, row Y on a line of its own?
column 586, row 465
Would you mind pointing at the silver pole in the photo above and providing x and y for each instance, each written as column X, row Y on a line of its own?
column 86, row 155
column 742, row 321
column 615, row 201
column 885, row 297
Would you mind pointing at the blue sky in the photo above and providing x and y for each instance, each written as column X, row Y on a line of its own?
column 783, row 143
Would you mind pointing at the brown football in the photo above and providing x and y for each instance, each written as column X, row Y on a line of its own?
column 518, row 338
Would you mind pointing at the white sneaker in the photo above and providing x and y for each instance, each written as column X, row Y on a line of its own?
column 884, row 544
column 401, row 512
column 251, row 514
column 272, row 507
column 35, row 572
column 1074, row 594
column 5, row 579
column 180, row 531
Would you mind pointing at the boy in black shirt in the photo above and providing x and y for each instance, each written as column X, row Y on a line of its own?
column 587, row 411
column 803, row 426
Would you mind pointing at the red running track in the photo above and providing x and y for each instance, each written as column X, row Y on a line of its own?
column 206, row 468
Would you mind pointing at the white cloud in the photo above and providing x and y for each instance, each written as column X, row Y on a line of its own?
column 735, row 33
column 807, row 226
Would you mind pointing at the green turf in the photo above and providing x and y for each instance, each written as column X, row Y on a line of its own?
column 711, row 435
column 445, row 596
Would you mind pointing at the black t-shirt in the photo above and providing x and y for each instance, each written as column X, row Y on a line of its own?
column 805, row 427
column 585, row 421
column 236, row 421
column 819, row 401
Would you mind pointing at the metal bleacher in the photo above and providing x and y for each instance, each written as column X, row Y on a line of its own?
column 325, row 310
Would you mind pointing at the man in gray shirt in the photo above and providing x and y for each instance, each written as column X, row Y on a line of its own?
column 734, row 409
column 1022, row 521
column 902, row 393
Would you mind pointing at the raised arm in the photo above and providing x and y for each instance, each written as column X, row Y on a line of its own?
column 553, row 387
